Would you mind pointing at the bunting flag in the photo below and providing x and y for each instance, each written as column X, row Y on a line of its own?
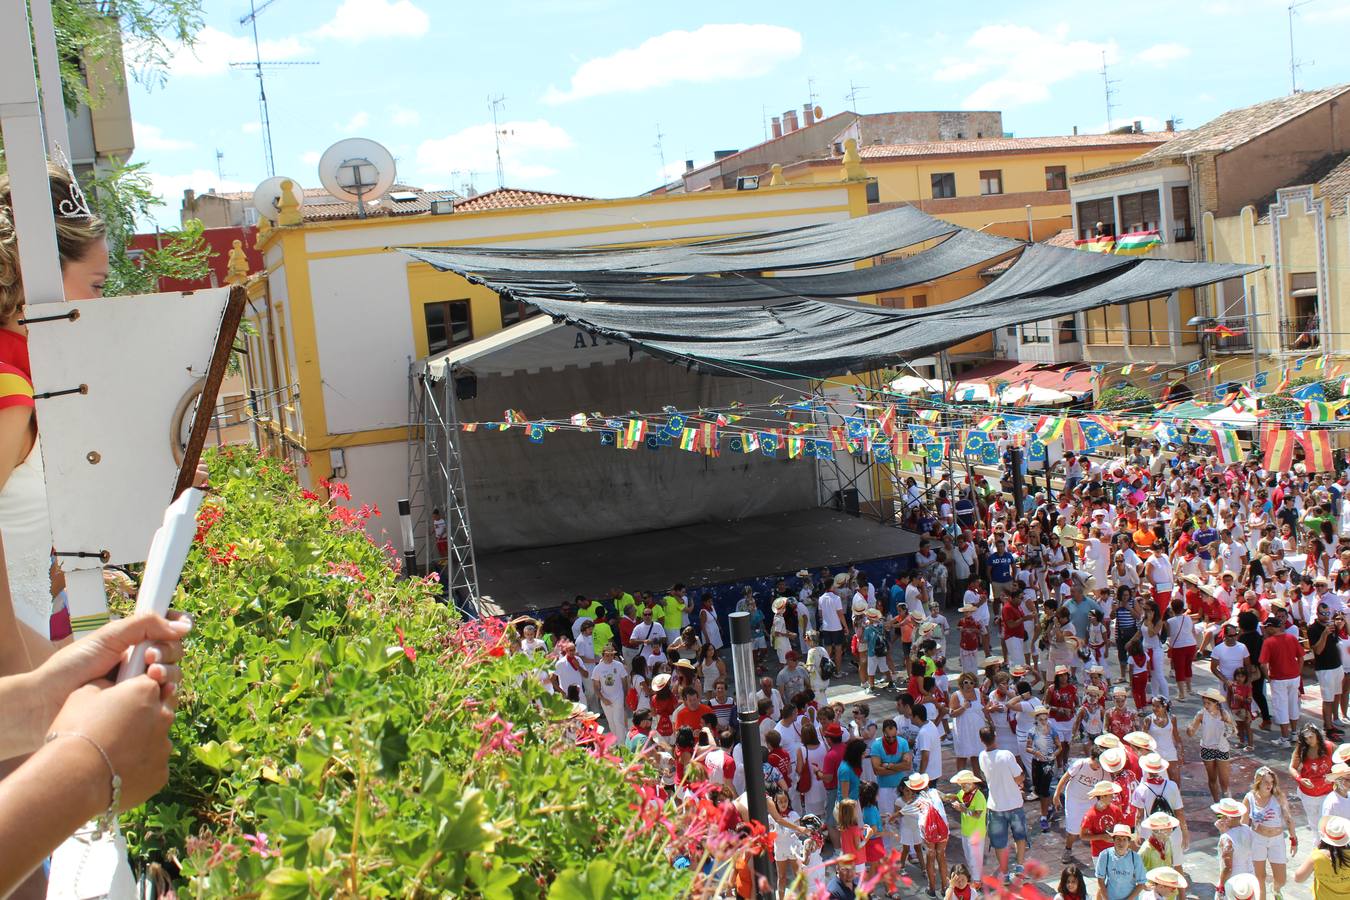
column 1154, row 379
column 794, row 447
column 1095, row 434
column 1127, row 369
column 1317, row 453
column 987, row 423
column 1049, row 428
column 536, row 433
column 1225, row 445
column 1212, row 371
column 837, row 438
column 1261, row 380
column 1284, row 382
column 936, row 450
column 707, row 439
column 1135, row 243
column 927, row 415
column 1101, row 244
column 973, row 442
column 1313, row 391
column 636, row 431
column 1298, row 364
column 469, row 426
column 749, row 442
column 1225, row 331
column 768, row 443
column 886, row 421
column 1194, row 368
column 921, row 434
column 1075, row 441
column 1279, row 448
column 1318, row 411
column 689, row 439
column 1037, row 452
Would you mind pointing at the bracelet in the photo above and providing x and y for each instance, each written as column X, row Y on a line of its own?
column 108, row 821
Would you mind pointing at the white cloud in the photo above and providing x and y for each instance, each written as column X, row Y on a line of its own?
column 472, row 150
column 361, row 20
column 252, row 127
column 1019, row 64
column 1162, row 54
column 710, row 53
column 405, row 118
column 358, row 121
column 214, row 50
column 310, row 157
column 151, row 139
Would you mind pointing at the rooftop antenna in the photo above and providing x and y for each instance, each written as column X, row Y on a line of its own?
column 764, row 119
column 811, row 94
column 220, row 168
column 1108, row 91
column 854, row 92
column 660, row 149
column 497, row 132
column 1294, row 63
column 252, row 20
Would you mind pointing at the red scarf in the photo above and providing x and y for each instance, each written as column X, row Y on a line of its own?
column 890, row 745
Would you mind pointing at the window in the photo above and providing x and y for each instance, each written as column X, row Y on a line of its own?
column 1148, row 323
column 514, row 311
column 918, row 301
column 1036, row 333
column 1181, row 214
column 447, row 324
column 1140, row 212
column 1056, row 178
column 944, row 184
column 1106, row 325
column 873, row 191
column 1093, row 212
column 991, row 181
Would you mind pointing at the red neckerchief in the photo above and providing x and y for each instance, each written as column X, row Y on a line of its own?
column 572, row 661
column 890, row 745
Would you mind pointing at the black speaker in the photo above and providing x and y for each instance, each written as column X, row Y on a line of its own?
column 466, row 387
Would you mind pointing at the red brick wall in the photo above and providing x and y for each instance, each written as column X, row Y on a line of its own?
column 220, row 240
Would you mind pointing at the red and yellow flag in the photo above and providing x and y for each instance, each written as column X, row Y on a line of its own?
column 1279, row 447
column 1318, row 455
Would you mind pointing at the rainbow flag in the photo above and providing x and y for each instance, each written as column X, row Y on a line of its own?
column 1137, row 242
column 636, row 432
column 1127, row 369
column 1049, row 428
column 927, row 415
column 1318, row 454
column 1279, row 446
column 1225, row 445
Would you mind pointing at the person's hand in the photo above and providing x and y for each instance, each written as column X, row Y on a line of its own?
column 130, row 722
column 201, row 476
column 95, row 656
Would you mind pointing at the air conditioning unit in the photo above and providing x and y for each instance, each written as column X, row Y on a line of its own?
column 442, row 207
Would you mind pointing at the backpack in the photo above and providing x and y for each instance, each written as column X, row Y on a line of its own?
column 827, row 667
column 935, row 829
column 1160, row 803
column 877, row 644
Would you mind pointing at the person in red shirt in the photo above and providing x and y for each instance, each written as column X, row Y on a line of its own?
column 1014, row 631
column 663, row 707
column 1104, row 814
column 1282, row 664
column 970, row 639
column 828, row 773
column 626, row 625
column 690, row 714
column 1062, row 699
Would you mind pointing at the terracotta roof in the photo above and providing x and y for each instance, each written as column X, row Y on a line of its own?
column 510, row 198
column 1063, row 238
column 1238, row 126
column 1335, row 188
column 1005, row 145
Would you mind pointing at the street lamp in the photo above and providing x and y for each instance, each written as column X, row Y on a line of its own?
column 1206, row 322
column 747, row 708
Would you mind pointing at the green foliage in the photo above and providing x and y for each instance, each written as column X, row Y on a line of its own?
column 342, row 734
column 1282, row 402
column 124, row 195
column 140, row 33
column 1126, row 398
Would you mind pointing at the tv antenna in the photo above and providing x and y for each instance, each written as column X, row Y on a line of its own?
column 660, row 149
column 1294, row 63
column 258, row 66
column 1108, row 91
column 854, row 92
column 497, row 132
column 811, row 90
column 220, row 168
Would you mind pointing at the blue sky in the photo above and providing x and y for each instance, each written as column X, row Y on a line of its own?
column 588, row 83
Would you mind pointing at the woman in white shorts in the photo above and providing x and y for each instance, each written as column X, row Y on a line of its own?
column 1269, row 815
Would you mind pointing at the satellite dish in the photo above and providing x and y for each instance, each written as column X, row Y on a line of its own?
column 267, row 196
column 356, row 169
column 819, row 113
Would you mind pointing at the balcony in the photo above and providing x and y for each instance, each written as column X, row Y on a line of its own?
column 1240, row 341
column 1301, row 334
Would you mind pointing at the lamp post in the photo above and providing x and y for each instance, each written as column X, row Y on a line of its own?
column 752, row 754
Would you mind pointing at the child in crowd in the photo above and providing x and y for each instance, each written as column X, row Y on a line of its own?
column 960, row 888
column 969, row 629
column 853, row 833
column 1091, row 718
column 1235, row 841
column 1240, row 703
column 1071, row 884
column 1120, row 718
column 971, row 804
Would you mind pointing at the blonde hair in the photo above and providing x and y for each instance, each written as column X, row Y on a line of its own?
column 846, row 814
column 74, row 236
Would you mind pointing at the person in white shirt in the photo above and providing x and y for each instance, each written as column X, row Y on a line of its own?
column 928, row 745
column 1232, row 556
column 530, row 642
column 768, row 692
column 570, row 672
column 1158, row 574
column 650, row 637
column 973, row 598
column 1005, row 817
column 610, row 679
column 832, row 632
column 1337, row 803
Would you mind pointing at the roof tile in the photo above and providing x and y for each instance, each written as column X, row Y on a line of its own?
column 1238, row 126
column 997, row 145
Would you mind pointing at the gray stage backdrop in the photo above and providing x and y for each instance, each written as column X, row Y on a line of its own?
column 570, row 489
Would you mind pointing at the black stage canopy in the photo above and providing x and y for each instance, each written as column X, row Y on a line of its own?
column 752, row 324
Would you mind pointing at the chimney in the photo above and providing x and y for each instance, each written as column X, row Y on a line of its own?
column 1075, row 129
column 777, row 127
column 1170, row 125
column 689, row 165
column 789, row 121
column 1138, row 127
column 808, row 115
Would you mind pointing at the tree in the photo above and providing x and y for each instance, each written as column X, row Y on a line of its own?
column 1125, row 398
column 1284, row 403
column 139, row 35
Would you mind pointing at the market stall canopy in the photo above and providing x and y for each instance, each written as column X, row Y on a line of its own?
column 978, row 391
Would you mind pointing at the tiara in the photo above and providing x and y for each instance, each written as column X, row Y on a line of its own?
column 74, row 206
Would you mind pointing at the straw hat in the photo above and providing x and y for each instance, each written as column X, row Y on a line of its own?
column 993, row 661
column 1061, row 670
column 1334, row 830
column 1152, row 762
column 859, row 605
column 780, row 604
column 965, row 776
column 1040, row 711
column 873, row 613
column 1341, row 754
column 1096, row 670
column 660, row 681
column 1018, row 671
column 1242, row 887
column 841, row 579
column 581, row 711
column 1104, row 789
column 1278, row 602
column 1142, row 740
column 1122, row 830
column 1166, row 876
column 1094, row 690
column 1113, row 760
column 1160, row 821
column 1339, row 770
column 1106, row 740
column 917, row 782
column 1212, row 694
column 1228, row 808
column 684, row 664
column 803, row 573
column 966, row 609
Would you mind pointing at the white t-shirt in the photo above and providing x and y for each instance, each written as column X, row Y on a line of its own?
column 1144, row 795
column 531, row 646
column 1159, row 572
column 830, row 608
column 569, row 676
column 981, row 613
column 1181, row 632
column 1229, row 658
column 1000, row 770
column 929, row 739
column 610, row 675
column 1083, row 777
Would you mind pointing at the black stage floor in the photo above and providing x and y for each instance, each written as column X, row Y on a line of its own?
column 697, row 555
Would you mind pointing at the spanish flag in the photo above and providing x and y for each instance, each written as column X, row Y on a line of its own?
column 1279, row 446
column 1318, row 455
column 1224, row 331
column 1075, row 441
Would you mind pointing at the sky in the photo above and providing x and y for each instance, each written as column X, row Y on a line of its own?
column 599, row 95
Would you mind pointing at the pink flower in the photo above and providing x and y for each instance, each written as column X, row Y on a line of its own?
column 409, row 652
column 497, row 735
column 258, row 842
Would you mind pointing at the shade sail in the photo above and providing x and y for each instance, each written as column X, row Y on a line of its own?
column 814, row 246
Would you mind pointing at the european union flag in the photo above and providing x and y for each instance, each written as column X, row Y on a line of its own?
column 1155, row 378
column 989, row 456
column 920, row 434
column 1193, row 368
column 881, row 453
column 674, row 426
column 1261, row 380
column 824, row 449
column 536, row 433
column 857, row 427
column 653, row 442
column 768, row 445
column 1095, row 435
column 1036, row 451
column 1313, row 391
column 607, row 439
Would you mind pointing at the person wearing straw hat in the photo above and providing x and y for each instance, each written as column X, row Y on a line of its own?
column 1157, row 831
column 779, row 636
column 1329, row 862
column 1101, row 817
column 1062, row 699
column 1337, row 803
column 1164, row 882
column 878, row 650
column 1214, row 723
column 1239, row 887
column 1043, row 747
column 1156, row 793
column 924, row 803
column 1235, row 841
column 969, row 801
column 1120, row 870
column 1113, row 762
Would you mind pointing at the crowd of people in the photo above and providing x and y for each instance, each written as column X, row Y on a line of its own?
column 1022, row 675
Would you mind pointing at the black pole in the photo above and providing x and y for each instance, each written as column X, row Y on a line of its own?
column 1018, row 487
column 752, row 753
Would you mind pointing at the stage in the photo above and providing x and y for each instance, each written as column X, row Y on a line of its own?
column 718, row 555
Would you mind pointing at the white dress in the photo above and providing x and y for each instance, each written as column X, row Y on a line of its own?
column 967, row 726
column 27, row 533
column 712, row 632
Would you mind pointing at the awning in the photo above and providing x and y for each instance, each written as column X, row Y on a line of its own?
column 1066, row 378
